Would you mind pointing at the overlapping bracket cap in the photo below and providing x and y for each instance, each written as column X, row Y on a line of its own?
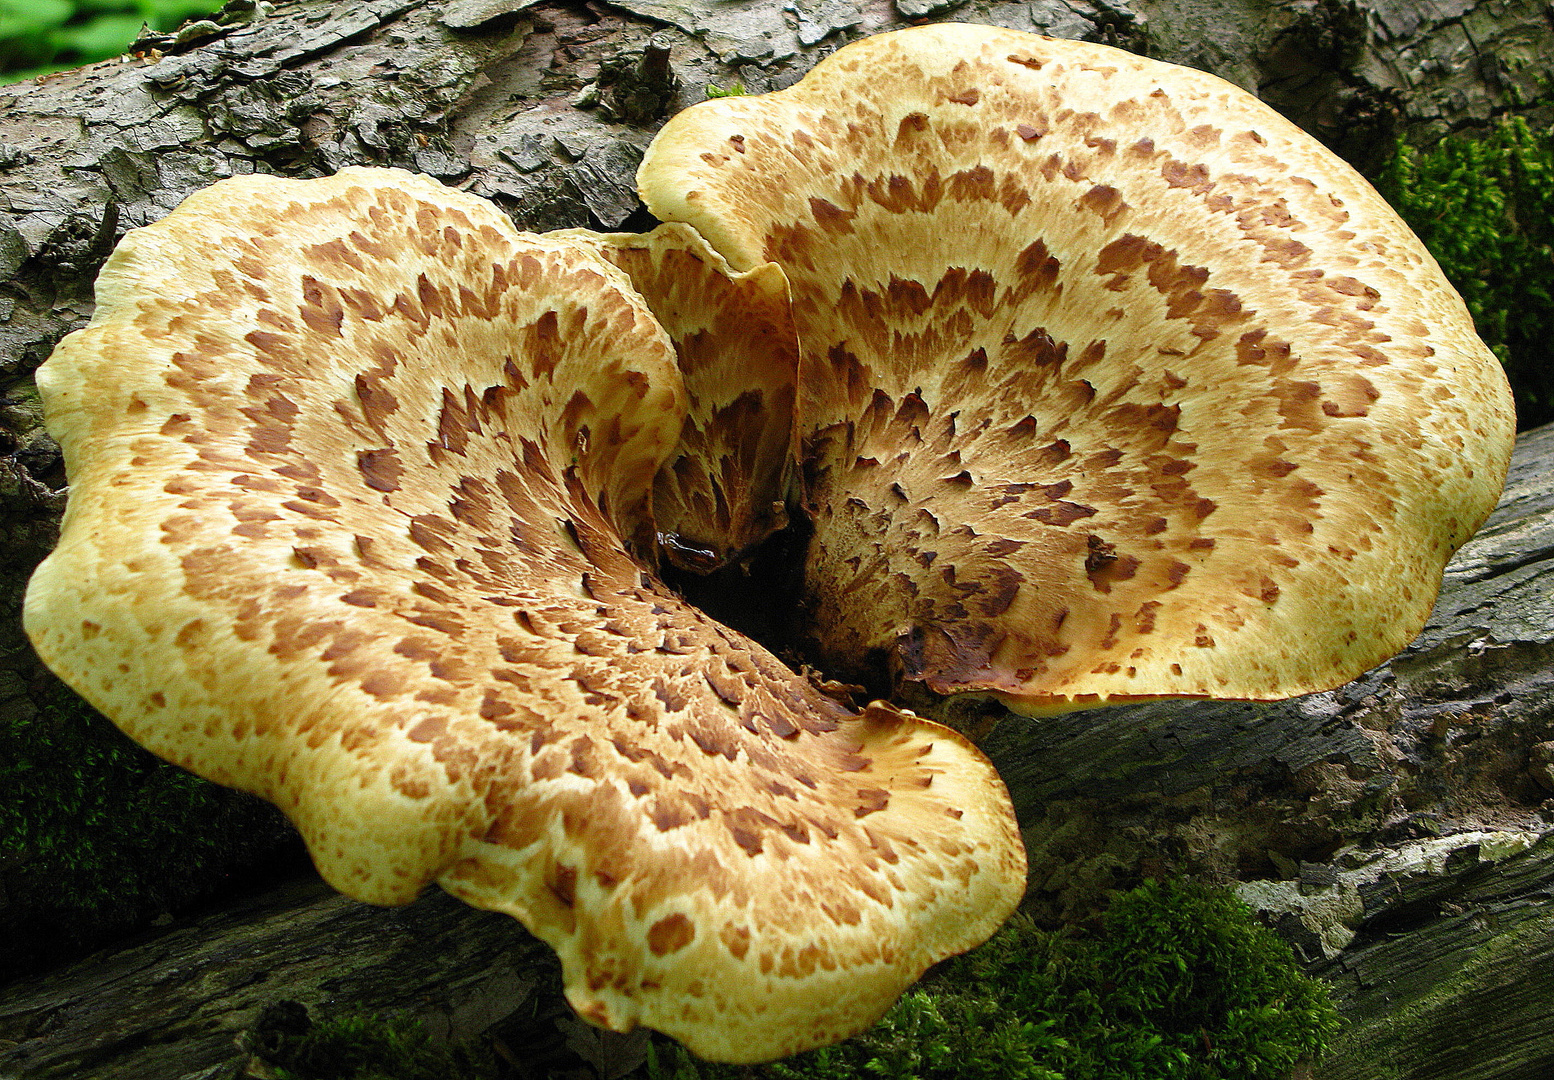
column 1113, row 383
column 728, row 484
column 356, row 474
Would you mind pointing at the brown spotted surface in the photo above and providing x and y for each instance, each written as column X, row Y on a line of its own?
column 1113, row 384
column 727, row 485
column 353, row 471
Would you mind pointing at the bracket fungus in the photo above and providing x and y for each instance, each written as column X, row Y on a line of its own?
column 1094, row 379
column 1114, row 384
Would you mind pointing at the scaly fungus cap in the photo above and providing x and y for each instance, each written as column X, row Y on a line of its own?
column 727, row 485
column 1113, row 383
column 356, row 471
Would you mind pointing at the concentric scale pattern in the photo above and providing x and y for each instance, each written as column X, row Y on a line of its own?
column 1095, row 379
column 1114, row 384
column 353, row 466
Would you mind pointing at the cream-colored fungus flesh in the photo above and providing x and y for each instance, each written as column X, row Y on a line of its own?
column 1114, row 384
column 1096, row 380
column 357, row 474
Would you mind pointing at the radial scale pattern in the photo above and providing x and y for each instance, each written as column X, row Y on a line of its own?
column 353, row 467
column 728, row 484
column 1114, row 384
column 1095, row 380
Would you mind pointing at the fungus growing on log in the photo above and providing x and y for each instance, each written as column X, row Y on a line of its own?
column 1114, row 384
column 1108, row 384
column 357, row 475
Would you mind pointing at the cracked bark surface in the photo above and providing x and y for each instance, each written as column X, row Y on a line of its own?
column 1392, row 829
column 1355, row 72
column 199, row 1000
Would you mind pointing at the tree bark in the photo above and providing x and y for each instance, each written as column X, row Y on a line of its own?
column 1392, row 828
column 199, row 1000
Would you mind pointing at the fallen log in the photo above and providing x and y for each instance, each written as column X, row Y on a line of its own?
column 1393, row 829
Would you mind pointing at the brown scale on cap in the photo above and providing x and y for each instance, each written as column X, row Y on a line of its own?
column 1110, row 385
column 354, row 467
column 1113, row 383
column 727, row 486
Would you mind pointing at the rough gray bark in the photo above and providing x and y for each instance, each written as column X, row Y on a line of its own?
column 197, row 1001
column 1390, row 828
column 1354, row 72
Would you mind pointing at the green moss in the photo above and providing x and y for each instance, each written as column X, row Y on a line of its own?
column 99, row 836
column 1484, row 206
column 1180, row 982
column 375, row 1048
